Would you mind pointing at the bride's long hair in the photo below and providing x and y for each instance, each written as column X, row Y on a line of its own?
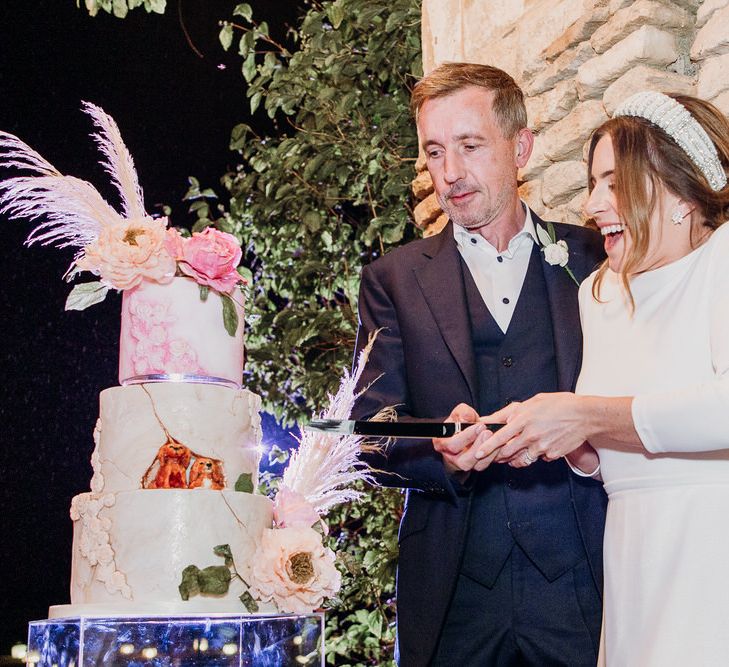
column 646, row 160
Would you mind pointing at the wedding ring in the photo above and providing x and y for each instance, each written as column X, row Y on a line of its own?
column 528, row 458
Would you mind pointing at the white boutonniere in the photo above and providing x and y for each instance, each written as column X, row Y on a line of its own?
column 556, row 253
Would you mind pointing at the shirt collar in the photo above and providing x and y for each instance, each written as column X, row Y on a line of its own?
column 462, row 236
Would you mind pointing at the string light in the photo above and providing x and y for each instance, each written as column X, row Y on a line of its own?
column 230, row 649
column 19, row 651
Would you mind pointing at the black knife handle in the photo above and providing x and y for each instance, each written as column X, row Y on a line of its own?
column 418, row 429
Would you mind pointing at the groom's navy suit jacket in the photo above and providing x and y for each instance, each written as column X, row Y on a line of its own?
column 423, row 362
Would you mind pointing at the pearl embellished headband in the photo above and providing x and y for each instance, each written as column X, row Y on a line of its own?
column 678, row 123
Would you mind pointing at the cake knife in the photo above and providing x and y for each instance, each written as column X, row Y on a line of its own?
column 409, row 429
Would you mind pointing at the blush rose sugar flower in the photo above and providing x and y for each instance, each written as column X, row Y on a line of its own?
column 210, row 258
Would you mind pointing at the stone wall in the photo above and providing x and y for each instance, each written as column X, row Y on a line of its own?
column 576, row 60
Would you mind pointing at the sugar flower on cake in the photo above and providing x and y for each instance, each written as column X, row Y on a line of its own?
column 292, row 568
column 124, row 255
column 173, row 243
column 210, row 258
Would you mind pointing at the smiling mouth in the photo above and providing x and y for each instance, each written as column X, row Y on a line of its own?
column 611, row 230
column 612, row 234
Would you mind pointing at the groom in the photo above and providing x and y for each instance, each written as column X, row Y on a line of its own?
column 498, row 565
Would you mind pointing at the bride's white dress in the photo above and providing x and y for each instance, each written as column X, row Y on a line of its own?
column 667, row 532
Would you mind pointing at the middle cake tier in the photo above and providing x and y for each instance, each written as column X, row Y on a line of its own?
column 175, row 435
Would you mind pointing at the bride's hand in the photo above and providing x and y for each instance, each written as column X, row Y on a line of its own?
column 547, row 426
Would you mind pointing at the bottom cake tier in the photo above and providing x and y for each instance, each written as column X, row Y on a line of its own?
column 130, row 549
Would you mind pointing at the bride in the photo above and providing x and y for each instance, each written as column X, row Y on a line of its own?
column 652, row 399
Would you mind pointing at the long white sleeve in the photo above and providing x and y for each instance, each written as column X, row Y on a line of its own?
column 696, row 418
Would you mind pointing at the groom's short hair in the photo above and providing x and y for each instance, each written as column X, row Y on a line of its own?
column 449, row 78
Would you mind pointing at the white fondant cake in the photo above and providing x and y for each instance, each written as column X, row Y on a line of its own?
column 176, row 459
column 132, row 537
column 214, row 422
column 131, row 548
column 169, row 330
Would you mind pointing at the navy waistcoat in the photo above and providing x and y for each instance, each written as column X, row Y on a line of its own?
column 530, row 506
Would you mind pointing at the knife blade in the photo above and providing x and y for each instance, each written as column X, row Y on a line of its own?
column 410, row 429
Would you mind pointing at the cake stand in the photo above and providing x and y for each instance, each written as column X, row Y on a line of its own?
column 191, row 640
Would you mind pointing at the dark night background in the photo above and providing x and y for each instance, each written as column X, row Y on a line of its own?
column 175, row 111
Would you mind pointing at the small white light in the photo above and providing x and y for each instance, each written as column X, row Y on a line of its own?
column 195, row 644
column 230, row 649
column 149, row 652
column 203, row 644
column 126, row 649
column 297, row 640
column 302, row 659
column 19, row 651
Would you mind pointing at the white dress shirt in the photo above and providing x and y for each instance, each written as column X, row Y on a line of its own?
column 498, row 276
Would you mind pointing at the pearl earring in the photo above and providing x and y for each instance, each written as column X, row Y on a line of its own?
column 677, row 217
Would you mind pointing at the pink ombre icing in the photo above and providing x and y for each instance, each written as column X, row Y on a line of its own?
column 210, row 258
column 169, row 329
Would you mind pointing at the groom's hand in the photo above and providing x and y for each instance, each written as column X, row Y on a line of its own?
column 459, row 451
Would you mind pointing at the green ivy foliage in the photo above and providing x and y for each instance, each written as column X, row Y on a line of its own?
column 327, row 195
column 360, row 625
column 120, row 8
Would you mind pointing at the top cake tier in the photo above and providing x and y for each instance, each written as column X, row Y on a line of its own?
column 168, row 332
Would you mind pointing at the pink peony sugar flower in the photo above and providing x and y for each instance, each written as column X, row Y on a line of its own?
column 124, row 255
column 292, row 568
column 211, row 258
column 292, row 509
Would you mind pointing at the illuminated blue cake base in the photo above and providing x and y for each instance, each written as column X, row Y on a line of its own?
column 189, row 641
